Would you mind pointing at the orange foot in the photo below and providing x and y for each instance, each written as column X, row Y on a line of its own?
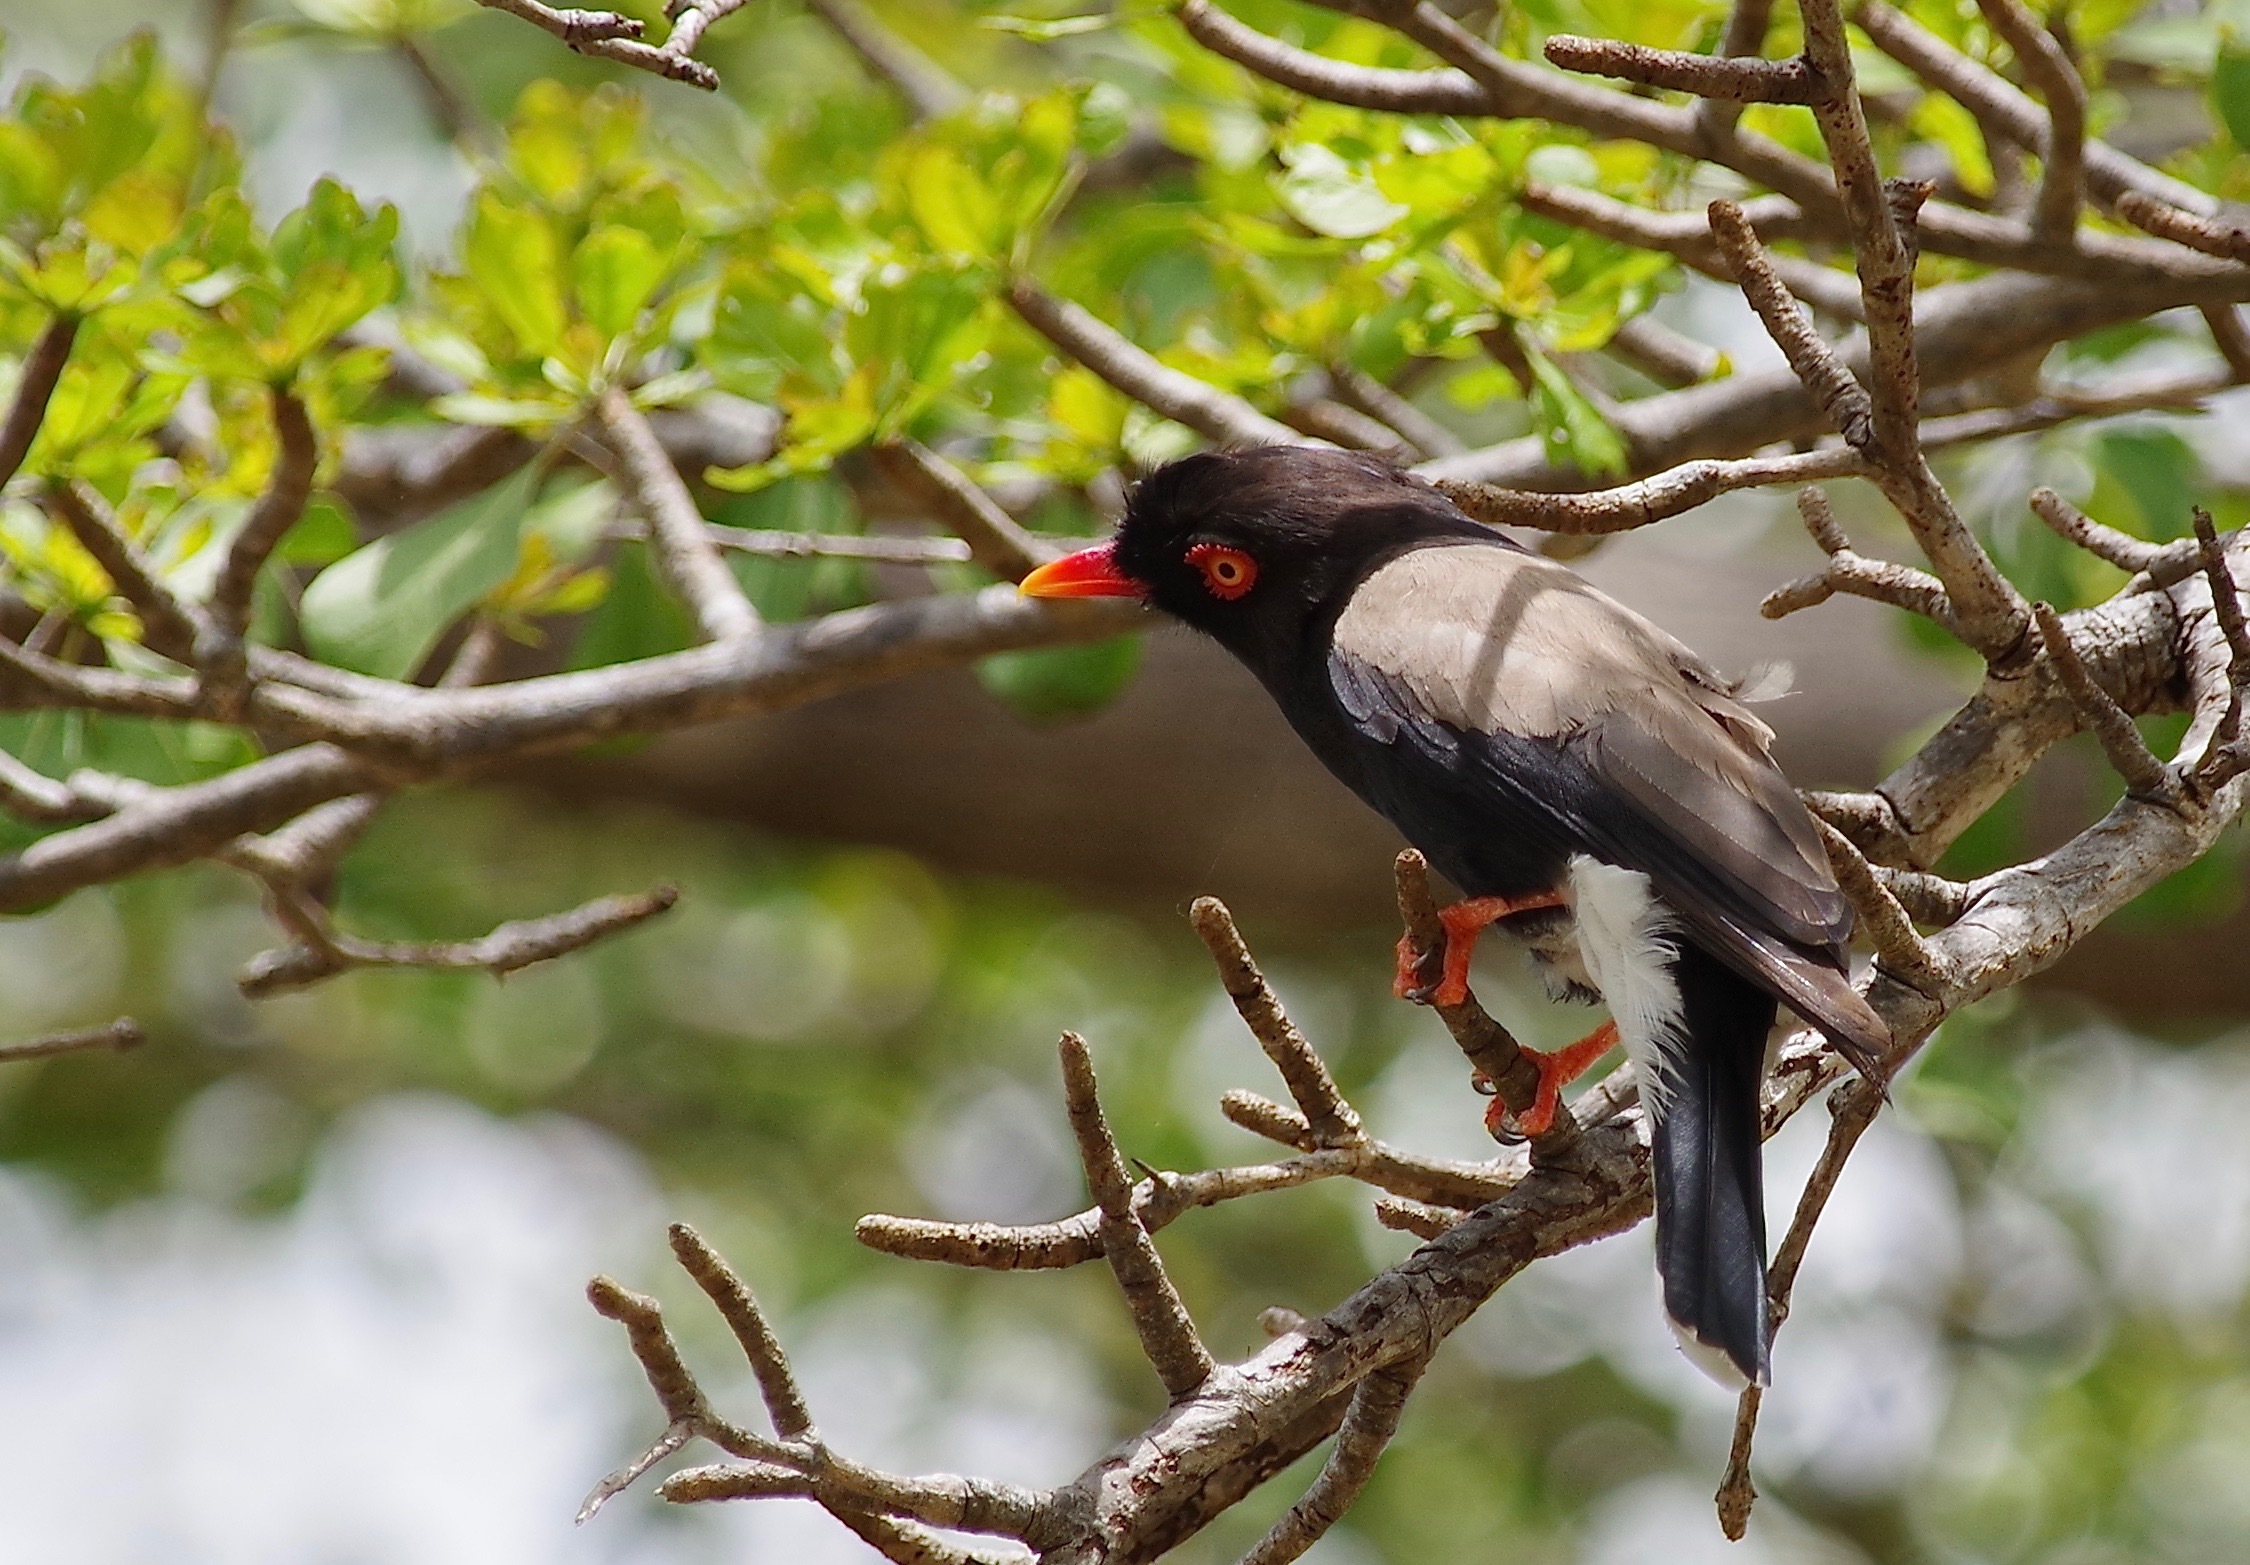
column 1462, row 922
column 1556, row 1071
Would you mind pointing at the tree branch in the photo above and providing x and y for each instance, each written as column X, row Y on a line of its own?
column 36, row 378
column 685, row 553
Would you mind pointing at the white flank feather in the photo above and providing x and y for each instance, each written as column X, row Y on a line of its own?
column 1626, row 937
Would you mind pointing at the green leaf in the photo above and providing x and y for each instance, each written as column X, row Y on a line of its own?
column 1330, row 197
column 1573, row 425
column 1062, row 683
column 2230, row 91
column 514, row 260
column 615, row 272
column 380, row 610
column 952, row 205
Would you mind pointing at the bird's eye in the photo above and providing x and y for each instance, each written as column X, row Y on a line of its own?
column 1229, row 573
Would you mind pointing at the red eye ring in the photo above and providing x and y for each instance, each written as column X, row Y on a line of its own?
column 1229, row 573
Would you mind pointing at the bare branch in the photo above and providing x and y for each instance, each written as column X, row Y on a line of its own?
column 1848, row 571
column 1363, row 391
column 1852, row 1108
column 1688, row 236
column 2231, row 337
column 928, row 90
column 1368, row 1428
column 1745, row 38
column 36, row 377
column 1168, row 1336
column 323, row 951
column 2005, row 112
column 882, row 549
column 122, row 1034
column 277, row 510
column 1418, row 1218
column 1332, row 81
column 993, row 537
column 1743, row 80
column 2229, row 241
column 2145, row 776
column 684, row 550
column 1075, row 1240
column 1489, row 1047
column 1333, row 1121
column 1665, row 356
column 168, row 626
column 2224, row 755
column 2163, row 563
column 606, row 35
column 2048, row 68
column 1627, row 506
column 1841, row 397
column 1881, row 918
column 1210, row 412
column 785, row 1404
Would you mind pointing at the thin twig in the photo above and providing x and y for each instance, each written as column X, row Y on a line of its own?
column 992, row 537
column 1665, row 356
column 2063, row 148
column 2163, row 563
column 278, row 509
column 1075, row 1240
column 1745, row 38
column 1841, row 397
column 929, row 90
column 1848, row 571
column 785, row 1403
column 1670, row 493
column 1489, row 1047
column 1334, row 1122
column 2224, row 754
column 1368, row 1427
column 1852, row 1108
column 684, row 550
column 322, row 951
column 122, row 1034
column 606, row 35
column 167, row 625
column 2229, row 241
column 1900, row 950
column 2004, row 111
column 36, row 377
column 1210, row 412
column 2146, row 776
column 1744, row 80
column 1168, row 1337
column 1363, row 391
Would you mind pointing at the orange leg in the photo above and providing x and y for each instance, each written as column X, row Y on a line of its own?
column 1556, row 1071
column 1462, row 922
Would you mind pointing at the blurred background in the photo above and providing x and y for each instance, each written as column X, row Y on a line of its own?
column 301, row 1280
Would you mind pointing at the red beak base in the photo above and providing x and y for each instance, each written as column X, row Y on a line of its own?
column 1090, row 573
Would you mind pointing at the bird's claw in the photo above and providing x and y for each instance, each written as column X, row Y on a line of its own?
column 1556, row 1071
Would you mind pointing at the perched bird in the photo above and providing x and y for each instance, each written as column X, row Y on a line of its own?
column 1581, row 776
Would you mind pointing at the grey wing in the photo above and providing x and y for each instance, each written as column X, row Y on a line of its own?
column 1733, row 850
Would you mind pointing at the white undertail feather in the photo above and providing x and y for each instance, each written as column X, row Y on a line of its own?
column 1628, row 940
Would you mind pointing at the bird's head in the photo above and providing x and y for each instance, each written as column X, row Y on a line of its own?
column 1255, row 547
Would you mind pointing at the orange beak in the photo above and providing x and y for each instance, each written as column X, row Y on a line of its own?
column 1090, row 573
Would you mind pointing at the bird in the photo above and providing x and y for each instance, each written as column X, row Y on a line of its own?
column 1583, row 778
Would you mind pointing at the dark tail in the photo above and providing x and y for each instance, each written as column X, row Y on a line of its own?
column 1710, row 1203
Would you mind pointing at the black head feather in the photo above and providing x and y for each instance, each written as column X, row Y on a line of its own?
column 1314, row 520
